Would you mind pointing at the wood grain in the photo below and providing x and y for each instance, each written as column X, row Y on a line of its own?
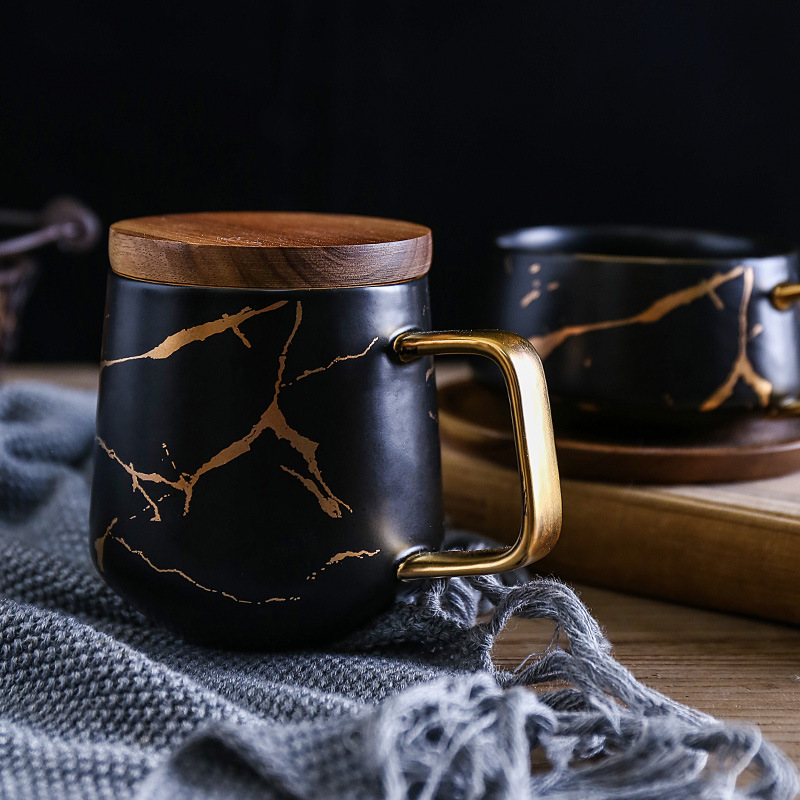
column 736, row 669
column 73, row 376
column 709, row 551
column 475, row 418
column 269, row 250
column 731, row 546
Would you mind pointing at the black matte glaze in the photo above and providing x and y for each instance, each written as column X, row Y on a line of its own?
column 254, row 531
column 666, row 370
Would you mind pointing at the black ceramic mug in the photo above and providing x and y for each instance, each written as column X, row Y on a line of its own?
column 267, row 462
column 651, row 327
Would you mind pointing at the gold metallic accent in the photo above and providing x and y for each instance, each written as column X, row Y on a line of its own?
column 335, row 559
column 536, row 452
column 272, row 419
column 655, row 312
column 336, row 360
column 99, row 544
column 785, row 295
column 199, row 333
column 533, row 294
column 338, row 558
column 742, row 368
column 181, row 574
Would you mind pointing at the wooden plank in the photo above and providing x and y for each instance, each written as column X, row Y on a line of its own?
column 652, row 541
column 737, row 669
column 75, row 376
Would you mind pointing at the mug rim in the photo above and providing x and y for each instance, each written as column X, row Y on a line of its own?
column 544, row 240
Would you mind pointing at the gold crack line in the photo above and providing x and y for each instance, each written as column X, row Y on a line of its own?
column 149, row 477
column 532, row 295
column 166, row 450
column 341, row 557
column 198, row 333
column 135, row 485
column 314, row 489
column 272, row 419
column 100, row 543
column 350, row 554
column 335, row 361
column 653, row 313
column 742, row 368
column 191, row 580
column 243, row 445
column 298, row 318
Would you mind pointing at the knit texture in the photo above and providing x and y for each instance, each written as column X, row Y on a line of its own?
column 96, row 702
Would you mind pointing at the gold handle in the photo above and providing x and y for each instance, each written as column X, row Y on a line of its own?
column 785, row 295
column 533, row 435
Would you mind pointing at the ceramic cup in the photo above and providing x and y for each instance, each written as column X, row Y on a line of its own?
column 653, row 326
column 267, row 461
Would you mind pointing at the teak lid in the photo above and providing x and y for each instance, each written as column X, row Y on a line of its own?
column 269, row 250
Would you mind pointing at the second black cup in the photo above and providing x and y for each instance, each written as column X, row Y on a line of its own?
column 654, row 326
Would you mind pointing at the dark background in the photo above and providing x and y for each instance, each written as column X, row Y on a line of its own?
column 468, row 117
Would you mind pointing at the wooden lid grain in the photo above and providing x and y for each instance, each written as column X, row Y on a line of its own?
column 269, row 250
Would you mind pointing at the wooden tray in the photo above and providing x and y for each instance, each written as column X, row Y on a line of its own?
column 475, row 418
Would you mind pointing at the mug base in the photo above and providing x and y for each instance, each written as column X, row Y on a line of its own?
column 266, row 635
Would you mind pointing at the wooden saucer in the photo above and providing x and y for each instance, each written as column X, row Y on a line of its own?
column 475, row 418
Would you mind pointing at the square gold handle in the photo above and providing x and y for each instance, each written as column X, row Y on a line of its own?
column 536, row 451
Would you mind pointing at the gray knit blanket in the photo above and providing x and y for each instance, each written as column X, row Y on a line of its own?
column 96, row 702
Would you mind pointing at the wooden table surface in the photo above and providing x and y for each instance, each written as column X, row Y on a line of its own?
column 735, row 668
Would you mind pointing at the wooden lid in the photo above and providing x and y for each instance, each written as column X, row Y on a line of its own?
column 269, row 250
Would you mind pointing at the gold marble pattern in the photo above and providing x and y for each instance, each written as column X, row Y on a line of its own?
column 312, row 487
column 180, row 573
column 199, row 333
column 335, row 361
column 336, row 559
column 138, row 477
column 100, row 543
column 339, row 557
column 166, row 450
column 535, row 293
column 742, row 369
column 656, row 311
column 273, row 420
